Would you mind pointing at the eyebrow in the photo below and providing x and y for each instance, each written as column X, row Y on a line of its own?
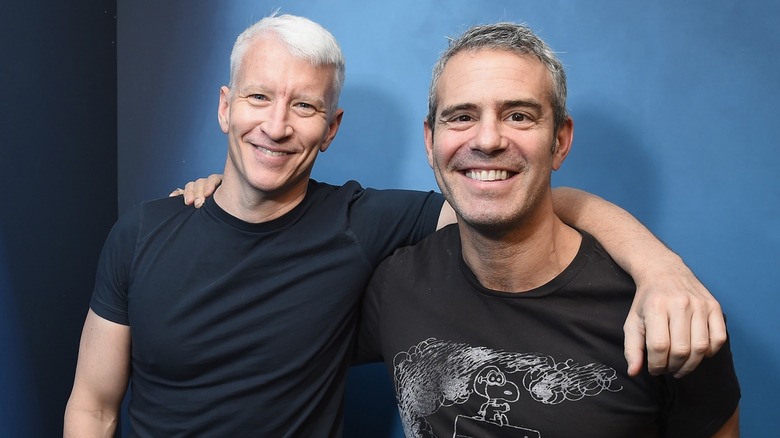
column 532, row 104
column 450, row 110
column 520, row 103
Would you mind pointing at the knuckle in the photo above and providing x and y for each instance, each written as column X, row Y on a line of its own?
column 701, row 346
column 680, row 351
column 657, row 345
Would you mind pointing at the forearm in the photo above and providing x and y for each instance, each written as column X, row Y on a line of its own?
column 89, row 423
column 102, row 375
column 629, row 242
column 674, row 318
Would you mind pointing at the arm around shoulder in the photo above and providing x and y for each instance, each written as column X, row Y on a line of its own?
column 102, row 375
column 673, row 314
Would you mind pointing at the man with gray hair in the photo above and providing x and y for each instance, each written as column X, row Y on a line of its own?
column 238, row 318
column 509, row 323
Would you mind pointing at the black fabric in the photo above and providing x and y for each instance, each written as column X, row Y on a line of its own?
column 242, row 329
column 469, row 361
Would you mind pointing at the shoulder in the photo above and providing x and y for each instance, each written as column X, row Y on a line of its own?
column 436, row 250
column 354, row 192
column 147, row 214
column 597, row 261
column 163, row 207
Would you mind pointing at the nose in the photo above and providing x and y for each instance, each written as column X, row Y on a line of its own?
column 277, row 124
column 488, row 138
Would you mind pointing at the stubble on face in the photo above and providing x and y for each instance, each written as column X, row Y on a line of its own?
column 495, row 120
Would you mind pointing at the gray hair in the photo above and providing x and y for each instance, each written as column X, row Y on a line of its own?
column 304, row 39
column 512, row 37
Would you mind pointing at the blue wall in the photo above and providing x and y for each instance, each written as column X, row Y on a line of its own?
column 675, row 109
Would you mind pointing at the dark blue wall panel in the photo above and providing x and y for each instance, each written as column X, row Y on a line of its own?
column 59, row 182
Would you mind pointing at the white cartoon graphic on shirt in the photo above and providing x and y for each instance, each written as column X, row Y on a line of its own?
column 492, row 384
column 436, row 374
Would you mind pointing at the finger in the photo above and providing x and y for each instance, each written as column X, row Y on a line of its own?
column 716, row 323
column 699, row 345
column 680, row 325
column 634, row 344
column 657, row 334
column 177, row 192
column 197, row 188
column 213, row 181
column 189, row 196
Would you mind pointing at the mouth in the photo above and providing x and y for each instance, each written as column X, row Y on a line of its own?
column 269, row 152
column 487, row 175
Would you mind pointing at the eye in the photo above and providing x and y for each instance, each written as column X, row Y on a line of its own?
column 257, row 98
column 305, row 109
column 458, row 121
column 459, row 118
column 518, row 117
column 520, row 120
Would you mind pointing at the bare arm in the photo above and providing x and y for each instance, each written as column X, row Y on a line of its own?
column 673, row 313
column 102, row 374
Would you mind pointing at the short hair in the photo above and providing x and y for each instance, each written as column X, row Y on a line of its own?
column 511, row 37
column 304, row 39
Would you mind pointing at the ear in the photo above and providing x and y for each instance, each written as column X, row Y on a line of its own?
column 333, row 129
column 563, row 140
column 428, row 134
column 223, row 113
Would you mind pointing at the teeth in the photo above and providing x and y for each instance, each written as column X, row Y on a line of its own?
column 486, row 175
column 272, row 153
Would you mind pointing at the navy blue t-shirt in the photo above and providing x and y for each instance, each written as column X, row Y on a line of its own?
column 242, row 329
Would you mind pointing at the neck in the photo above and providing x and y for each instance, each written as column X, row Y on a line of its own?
column 520, row 260
column 254, row 206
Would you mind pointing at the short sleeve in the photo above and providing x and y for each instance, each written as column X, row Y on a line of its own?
column 385, row 220
column 112, row 280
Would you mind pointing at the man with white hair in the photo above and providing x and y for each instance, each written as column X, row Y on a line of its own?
column 238, row 318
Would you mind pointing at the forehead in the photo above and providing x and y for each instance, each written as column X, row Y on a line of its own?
column 268, row 63
column 484, row 75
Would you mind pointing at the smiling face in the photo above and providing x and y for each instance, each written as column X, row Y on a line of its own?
column 493, row 146
column 277, row 121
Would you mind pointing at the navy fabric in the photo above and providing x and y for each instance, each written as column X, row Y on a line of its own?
column 242, row 329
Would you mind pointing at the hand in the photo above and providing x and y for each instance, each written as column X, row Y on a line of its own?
column 678, row 318
column 196, row 192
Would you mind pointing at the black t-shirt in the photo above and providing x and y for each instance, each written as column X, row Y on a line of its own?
column 469, row 361
column 243, row 329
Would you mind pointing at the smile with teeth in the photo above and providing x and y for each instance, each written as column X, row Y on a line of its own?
column 487, row 175
column 269, row 152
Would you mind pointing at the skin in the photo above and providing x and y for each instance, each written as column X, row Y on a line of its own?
column 495, row 118
column 674, row 319
column 276, row 121
column 102, row 375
